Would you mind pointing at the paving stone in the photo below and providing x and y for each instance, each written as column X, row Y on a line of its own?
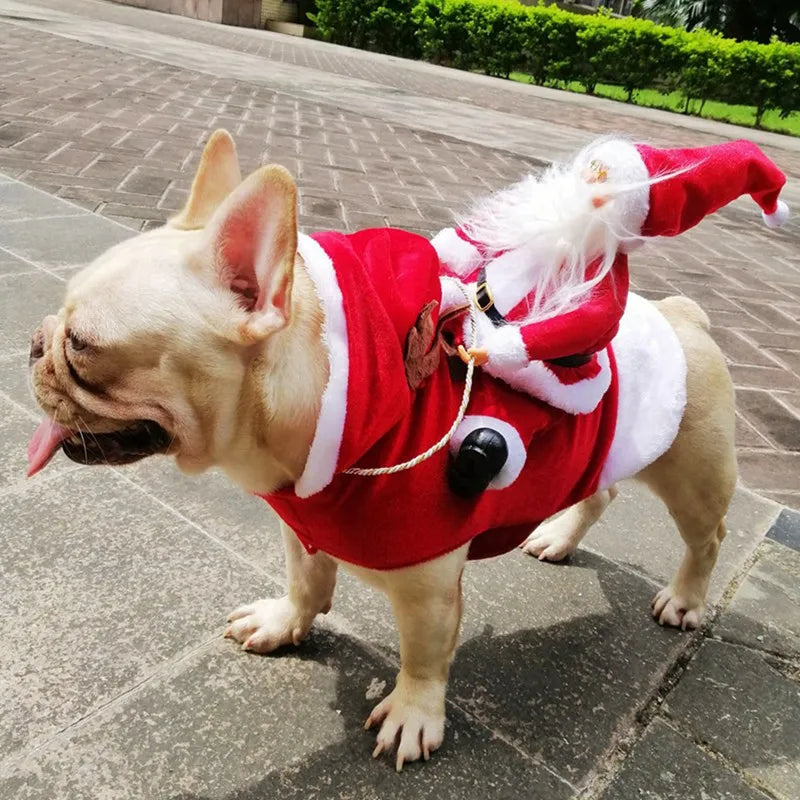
column 790, row 499
column 220, row 724
column 96, row 575
column 747, row 435
column 25, row 300
column 18, row 201
column 791, row 358
column 786, row 529
column 248, row 525
column 562, row 672
column 9, row 265
column 764, row 611
column 770, row 471
column 667, row 766
column 61, row 241
column 772, row 316
column 748, row 377
column 142, row 181
column 636, row 531
column 736, row 348
column 733, row 700
column 771, row 417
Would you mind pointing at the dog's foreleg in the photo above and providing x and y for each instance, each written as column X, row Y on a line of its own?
column 427, row 604
column 267, row 624
column 559, row 537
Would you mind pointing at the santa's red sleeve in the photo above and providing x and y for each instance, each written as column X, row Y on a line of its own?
column 585, row 330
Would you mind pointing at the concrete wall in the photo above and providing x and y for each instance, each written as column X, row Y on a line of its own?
column 245, row 13
column 279, row 11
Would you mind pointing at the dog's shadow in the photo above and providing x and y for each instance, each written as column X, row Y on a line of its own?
column 558, row 694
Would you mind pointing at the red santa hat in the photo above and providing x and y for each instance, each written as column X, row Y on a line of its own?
column 705, row 179
column 681, row 186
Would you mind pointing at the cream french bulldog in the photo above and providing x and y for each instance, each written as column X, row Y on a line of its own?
column 202, row 340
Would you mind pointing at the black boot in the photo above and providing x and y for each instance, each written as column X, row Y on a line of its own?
column 479, row 459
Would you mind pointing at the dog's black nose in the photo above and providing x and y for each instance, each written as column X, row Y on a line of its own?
column 37, row 346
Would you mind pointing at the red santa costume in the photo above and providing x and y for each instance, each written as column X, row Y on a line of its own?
column 529, row 253
column 372, row 286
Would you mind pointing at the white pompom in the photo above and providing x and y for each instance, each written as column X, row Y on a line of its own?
column 777, row 217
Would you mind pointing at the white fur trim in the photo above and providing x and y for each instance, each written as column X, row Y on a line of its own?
column 651, row 367
column 537, row 379
column 459, row 256
column 506, row 348
column 778, row 217
column 324, row 453
column 625, row 166
column 452, row 294
column 516, row 449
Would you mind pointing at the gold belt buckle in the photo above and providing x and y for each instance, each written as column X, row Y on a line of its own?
column 484, row 287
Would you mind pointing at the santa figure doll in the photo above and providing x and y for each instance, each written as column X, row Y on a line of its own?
column 546, row 265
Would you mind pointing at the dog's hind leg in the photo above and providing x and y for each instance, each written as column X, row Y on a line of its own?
column 267, row 624
column 560, row 536
column 696, row 477
column 427, row 604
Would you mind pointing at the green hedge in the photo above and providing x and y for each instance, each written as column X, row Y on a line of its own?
column 383, row 25
column 554, row 46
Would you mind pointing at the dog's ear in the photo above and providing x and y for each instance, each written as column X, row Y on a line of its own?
column 253, row 237
column 217, row 176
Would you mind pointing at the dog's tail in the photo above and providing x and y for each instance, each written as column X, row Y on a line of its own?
column 688, row 310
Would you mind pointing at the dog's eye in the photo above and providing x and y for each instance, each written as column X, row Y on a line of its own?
column 76, row 343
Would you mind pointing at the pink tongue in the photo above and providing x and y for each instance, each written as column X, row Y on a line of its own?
column 44, row 443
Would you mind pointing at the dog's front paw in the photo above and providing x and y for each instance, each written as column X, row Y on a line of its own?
column 552, row 541
column 414, row 712
column 266, row 625
column 671, row 608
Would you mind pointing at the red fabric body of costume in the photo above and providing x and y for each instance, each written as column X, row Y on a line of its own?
column 585, row 330
column 387, row 522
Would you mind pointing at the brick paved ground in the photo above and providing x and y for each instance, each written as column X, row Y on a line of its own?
column 120, row 135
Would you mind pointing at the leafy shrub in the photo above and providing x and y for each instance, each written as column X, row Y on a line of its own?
column 555, row 46
column 383, row 25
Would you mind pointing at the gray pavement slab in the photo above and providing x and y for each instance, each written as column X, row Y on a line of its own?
column 61, row 241
column 786, row 529
column 765, row 611
column 101, row 587
column 11, row 265
column 25, row 299
column 219, row 724
column 667, row 766
column 19, row 201
column 745, row 706
column 560, row 659
column 639, row 534
column 247, row 524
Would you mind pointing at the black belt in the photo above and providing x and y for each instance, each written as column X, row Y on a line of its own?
column 485, row 301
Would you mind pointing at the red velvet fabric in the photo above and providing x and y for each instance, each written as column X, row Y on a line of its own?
column 706, row 179
column 393, row 521
column 585, row 330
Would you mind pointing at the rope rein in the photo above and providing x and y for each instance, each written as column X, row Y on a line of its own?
column 459, row 417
